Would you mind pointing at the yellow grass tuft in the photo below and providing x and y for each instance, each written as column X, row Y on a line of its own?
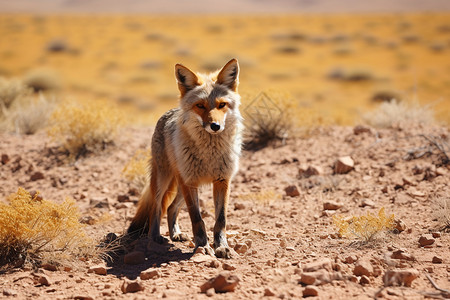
column 84, row 128
column 364, row 227
column 137, row 169
column 33, row 229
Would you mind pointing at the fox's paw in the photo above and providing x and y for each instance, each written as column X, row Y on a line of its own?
column 180, row 237
column 224, row 252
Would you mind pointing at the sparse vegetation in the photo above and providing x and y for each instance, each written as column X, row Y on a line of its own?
column 34, row 230
column 394, row 113
column 42, row 80
column 264, row 197
column 268, row 117
column 84, row 128
column 442, row 211
column 364, row 227
column 137, row 169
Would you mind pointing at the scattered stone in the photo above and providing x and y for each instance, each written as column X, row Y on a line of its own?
column 402, row 254
column 228, row 267
column 331, row 205
column 399, row 225
column 353, row 278
column 9, row 293
column 222, row 283
column 49, row 267
column 201, row 258
column 83, row 297
column 134, row 258
column 441, row 171
column 279, row 224
column 319, row 277
column 99, row 270
column 89, row 220
column 350, row 259
column 123, row 198
column 268, row 292
column 310, row 291
column 317, row 265
column 436, row 234
column 210, row 292
column 363, row 267
column 241, row 248
column 343, row 165
column 214, row 264
column 437, row 260
column 426, row 240
column 99, row 202
column 358, row 129
column 292, row 191
column 131, row 286
column 5, row 159
column 239, row 206
column 367, row 202
column 312, row 171
column 400, row 277
column 37, row 176
column 150, row 274
column 364, row 280
column 43, row 280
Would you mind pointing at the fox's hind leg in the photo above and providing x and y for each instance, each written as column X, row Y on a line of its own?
column 221, row 193
column 172, row 216
column 162, row 197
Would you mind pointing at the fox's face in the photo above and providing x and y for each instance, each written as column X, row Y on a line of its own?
column 209, row 101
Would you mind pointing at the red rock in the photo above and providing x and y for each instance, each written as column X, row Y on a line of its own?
column 364, row 280
column 99, row 270
column 228, row 267
column 5, row 159
column 292, row 191
column 358, row 129
column 310, row 291
column 343, row 165
column 222, row 283
column 402, row 254
column 363, row 267
column 331, row 205
column 324, row 263
column 268, row 292
column 150, row 274
column 37, row 176
column 129, row 286
column 426, row 240
column 437, row 260
column 400, row 277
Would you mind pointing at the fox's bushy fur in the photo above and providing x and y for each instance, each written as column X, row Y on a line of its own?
column 197, row 143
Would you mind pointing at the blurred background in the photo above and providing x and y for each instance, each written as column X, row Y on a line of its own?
column 336, row 60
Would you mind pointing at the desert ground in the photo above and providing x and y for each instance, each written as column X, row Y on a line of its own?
column 349, row 199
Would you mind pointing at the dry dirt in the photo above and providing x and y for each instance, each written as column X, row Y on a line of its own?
column 277, row 235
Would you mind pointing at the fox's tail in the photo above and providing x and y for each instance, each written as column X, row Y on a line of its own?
column 141, row 221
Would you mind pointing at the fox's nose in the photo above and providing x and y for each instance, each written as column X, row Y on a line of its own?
column 215, row 126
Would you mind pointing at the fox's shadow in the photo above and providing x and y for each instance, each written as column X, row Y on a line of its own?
column 155, row 255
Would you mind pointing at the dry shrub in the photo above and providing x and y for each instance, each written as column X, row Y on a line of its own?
column 264, row 197
column 364, row 227
column 137, row 169
column 269, row 116
column 10, row 91
column 42, row 80
column 35, row 230
column 84, row 128
column 442, row 211
column 395, row 113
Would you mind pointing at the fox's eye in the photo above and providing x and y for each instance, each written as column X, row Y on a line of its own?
column 222, row 105
column 200, row 106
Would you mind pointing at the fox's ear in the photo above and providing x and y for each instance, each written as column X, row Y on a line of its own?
column 229, row 75
column 186, row 79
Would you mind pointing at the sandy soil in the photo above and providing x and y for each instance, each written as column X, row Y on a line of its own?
column 279, row 237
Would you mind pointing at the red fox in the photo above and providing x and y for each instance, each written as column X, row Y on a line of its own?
column 197, row 143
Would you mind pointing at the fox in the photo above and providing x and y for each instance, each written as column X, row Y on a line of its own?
column 195, row 144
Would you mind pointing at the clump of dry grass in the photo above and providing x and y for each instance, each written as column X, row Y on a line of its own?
column 137, row 169
column 395, row 113
column 269, row 116
column 34, row 230
column 42, row 80
column 442, row 211
column 20, row 110
column 364, row 227
column 84, row 128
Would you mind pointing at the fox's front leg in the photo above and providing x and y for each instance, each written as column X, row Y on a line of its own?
column 190, row 194
column 221, row 193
